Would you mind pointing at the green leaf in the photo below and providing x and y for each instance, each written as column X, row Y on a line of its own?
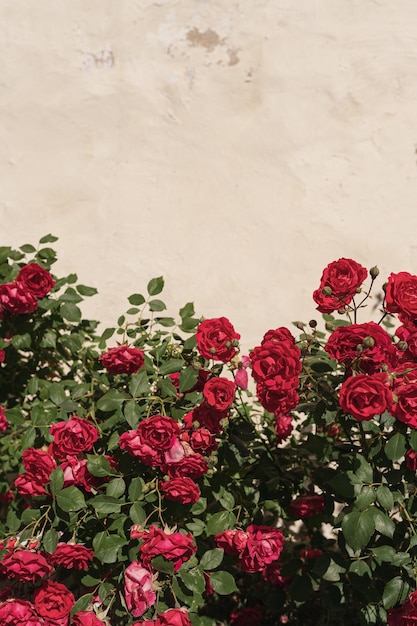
column 50, row 540
column 157, row 305
column 56, row 480
column 132, row 413
column 111, row 400
column 135, row 489
column 358, row 527
column 106, row 547
column 413, row 439
column 193, row 579
column 384, row 553
column 171, row 366
column 139, row 384
column 137, row 514
column 212, row 558
column 155, row 286
column 12, row 521
column 385, row 497
column 395, row 592
column 136, row 299
column 360, row 568
column 22, row 342
column 98, row 465
column 107, row 333
column 365, row 497
column 48, row 239
column 383, row 524
column 188, row 379
column 364, row 472
column 395, row 448
column 48, row 340
column 15, row 416
column 223, row 583
column 70, row 312
column 163, row 565
column 166, row 388
column 57, row 394
column 82, row 603
column 224, row 520
column 105, row 505
column 70, row 499
column 86, row 291
column 116, row 487
column 27, row 248
column 187, row 310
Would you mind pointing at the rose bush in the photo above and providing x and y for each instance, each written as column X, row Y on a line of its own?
column 153, row 475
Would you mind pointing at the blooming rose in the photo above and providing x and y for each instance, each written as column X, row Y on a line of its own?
column 25, row 565
column 72, row 437
column 86, row 618
column 263, row 546
column 366, row 346
column 122, row 360
column 4, row 424
column 409, row 335
column 206, row 416
column 216, row 338
column 276, row 365
column 248, row 616
column 343, row 277
column 406, row 615
column 14, row 298
column 131, row 442
column 401, row 295
column 193, row 467
column 158, row 432
column 364, row 396
column 278, row 334
column 182, row 490
column 53, row 600
column 173, row 617
column 39, row 464
column 278, row 400
column 14, row 612
column 28, row 485
column 2, row 356
column 232, row 541
column 201, row 439
column 306, row 506
column 76, row 474
column 36, row 279
column 138, row 589
column 72, row 556
column 219, row 393
column 175, row 546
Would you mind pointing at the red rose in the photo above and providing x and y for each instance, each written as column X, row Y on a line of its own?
column 72, row 437
column 86, row 618
column 219, row 393
column 276, row 365
column 122, row 360
column 72, row 556
column 272, row 575
column 401, row 295
column 182, row 490
column 232, row 541
column 2, row 356
column 277, row 400
column 201, row 439
column 14, row 298
column 283, row 427
column 159, row 432
column 367, row 347
column 138, row 589
column 306, row 506
column 405, row 408
column 36, row 279
column 216, row 339
column 76, row 474
column 409, row 335
column 364, row 396
column 411, row 460
column 131, row 442
column 193, row 466
column 53, row 600
column 27, row 485
column 206, row 416
column 406, row 615
column 278, row 335
column 14, row 612
column 25, row 565
column 176, row 546
column 263, row 546
column 173, row 617
column 343, row 277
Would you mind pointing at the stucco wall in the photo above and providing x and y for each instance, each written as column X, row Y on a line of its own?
column 236, row 147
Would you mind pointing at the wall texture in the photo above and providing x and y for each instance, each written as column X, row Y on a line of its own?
column 236, row 147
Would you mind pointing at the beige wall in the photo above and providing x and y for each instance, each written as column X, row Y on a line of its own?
column 236, row 147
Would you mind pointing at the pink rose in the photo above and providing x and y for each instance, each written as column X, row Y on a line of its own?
column 173, row 617
column 36, row 279
column 72, row 437
column 264, row 545
column 122, row 360
column 4, row 424
column 16, row 299
column 138, row 589
column 232, row 541
column 131, row 442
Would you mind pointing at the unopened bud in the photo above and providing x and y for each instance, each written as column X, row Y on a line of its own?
column 212, row 350
column 359, row 349
column 402, row 345
column 235, row 343
column 312, row 323
column 326, row 291
column 228, row 344
column 329, row 326
column 374, row 272
column 341, row 311
column 299, row 325
column 368, row 342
